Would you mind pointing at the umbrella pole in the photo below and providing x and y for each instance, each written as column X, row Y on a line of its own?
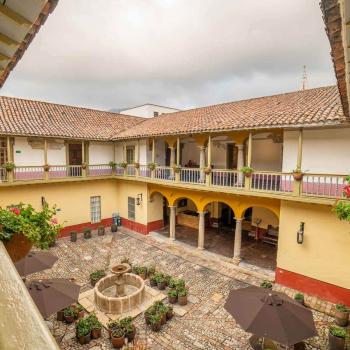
column 263, row 343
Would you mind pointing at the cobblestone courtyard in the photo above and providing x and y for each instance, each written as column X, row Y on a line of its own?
column 206, row 325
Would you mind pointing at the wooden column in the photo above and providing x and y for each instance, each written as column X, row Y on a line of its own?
column 247, row 180
column 297, row 184
column 178, row 151
column 208, row 176
column 153, row 155
column 46, row 173
column 83, row 159
column 10, row 175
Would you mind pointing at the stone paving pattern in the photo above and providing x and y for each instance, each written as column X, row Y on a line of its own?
column 204, row 324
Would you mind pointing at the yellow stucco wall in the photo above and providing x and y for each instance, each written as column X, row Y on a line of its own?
column 72, row 198
column 325, row 253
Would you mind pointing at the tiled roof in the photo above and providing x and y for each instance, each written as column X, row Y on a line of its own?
column 34, row 118
column 313, row 107
column 332, row 18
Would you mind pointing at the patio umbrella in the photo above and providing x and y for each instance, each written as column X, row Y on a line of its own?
column 34, row 262
column 52, row 295
column 271, row 315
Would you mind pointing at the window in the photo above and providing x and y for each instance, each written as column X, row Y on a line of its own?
column 155, row 114
column 95, row 209
column 131, row 208
column 130, row 155
column 3, row 151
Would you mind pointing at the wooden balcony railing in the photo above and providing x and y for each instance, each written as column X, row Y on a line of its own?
column 312, row 185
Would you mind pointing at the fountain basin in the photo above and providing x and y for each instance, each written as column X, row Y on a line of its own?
column 120, row 304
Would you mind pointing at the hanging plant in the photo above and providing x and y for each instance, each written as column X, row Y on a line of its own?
column 176, row 168
column 297, row 174
column 47, row 167
column 83, row 166
column 247, row 171
column 207, row 170
column 9, row 166
column 123, row 165
column 136, row 165
column 112, row 164
column 152, row 166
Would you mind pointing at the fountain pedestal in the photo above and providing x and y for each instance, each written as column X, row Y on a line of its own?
column 119, row 271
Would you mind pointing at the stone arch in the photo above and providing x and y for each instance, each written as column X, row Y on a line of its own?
column 176, row 201
column 274, row 209
column 155, row 191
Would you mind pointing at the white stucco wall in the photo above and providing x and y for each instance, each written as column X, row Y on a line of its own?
column 24, row 154
column 266, row 155
column 147, row 110
column 324, row 151
column 100, row 153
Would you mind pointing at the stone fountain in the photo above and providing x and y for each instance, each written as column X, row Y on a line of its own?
column 119, row 292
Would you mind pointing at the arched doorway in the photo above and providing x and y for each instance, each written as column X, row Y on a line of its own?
column 260, row 228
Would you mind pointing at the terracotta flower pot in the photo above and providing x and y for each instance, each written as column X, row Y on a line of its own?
column 96, row 333
column 247, row 174
column 172, row 300
column 131, row 335
column 297, row 176
column 156, row 326
column 118, row 342
column 143, row 275
column 336, row 343
column 163, row 319
column 341, row 318
column 81, row 314
column 169, row 314
column 18, row 246
column 84, row 339
column 182, row 300
column 161, row 285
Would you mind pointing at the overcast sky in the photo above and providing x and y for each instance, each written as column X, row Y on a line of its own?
column 180, row 53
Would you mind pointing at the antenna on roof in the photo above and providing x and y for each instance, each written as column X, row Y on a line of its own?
column 304, row 79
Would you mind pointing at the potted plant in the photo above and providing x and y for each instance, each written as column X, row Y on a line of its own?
column 95, row 326
column 123, row 165
column 160, row 282
column 247, row 171
column 136, row 165
column 150, row 311
column 151, row 270
column 180, row 283
column 73, row 236
column 167, row 279
column 155, row 322
column 336, row 338
column 341, row 315
column 299, row 297
column 112, row 164
column 266, row 284
column 83, row 331
column 114, row 228
column 142, row 272
column 118, row 337
column 176, row 168
column 69, row 314
column 182, row 296
column 297, row 174
column 207, row 170
column 21, row 226
column 172, row 296
column 172, row 284
column 151, row 166
column 87, row 232
column 96, row 276
column 101, row 230
column 112, row 325
column 79, row 311
column 84, row 165
column 47, row 167
column 129, row 328
column 153, row 281
column 169, row 312
column 9, row 166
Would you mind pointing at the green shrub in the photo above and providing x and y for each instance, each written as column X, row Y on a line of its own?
column 96, row 276
column 182, row 292
column 337, row 331
column 266, row 284
column 83, row 327
column 172, row 293
column 70, row 312
column 299, row 296
column 342, row 308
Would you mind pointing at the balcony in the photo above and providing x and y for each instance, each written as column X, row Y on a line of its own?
column 318, row 188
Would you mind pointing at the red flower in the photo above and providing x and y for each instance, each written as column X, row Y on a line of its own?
column 16, row 211
column 54, row 221
column 346, row 191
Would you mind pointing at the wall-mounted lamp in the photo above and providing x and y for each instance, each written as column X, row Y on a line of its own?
column 300, row 233
column 139, row 199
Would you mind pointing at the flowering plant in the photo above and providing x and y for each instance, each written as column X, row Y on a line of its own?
column 342, row 207
column 39, row 226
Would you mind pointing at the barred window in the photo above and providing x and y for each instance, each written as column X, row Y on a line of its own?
column 3, row 151
column 95, row 209
column 131, row 208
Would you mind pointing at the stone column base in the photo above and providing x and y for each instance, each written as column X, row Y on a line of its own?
column 236, row 261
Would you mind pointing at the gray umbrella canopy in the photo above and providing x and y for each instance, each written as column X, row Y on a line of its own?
column 52, row 295
column 271, row 315
column 35, row 262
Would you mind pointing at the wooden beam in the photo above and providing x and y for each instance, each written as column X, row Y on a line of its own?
column 7, row 40
column 14, row 16
column 4, row 57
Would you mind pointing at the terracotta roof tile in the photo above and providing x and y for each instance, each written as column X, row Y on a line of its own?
column 34, row 118
column 313, row 107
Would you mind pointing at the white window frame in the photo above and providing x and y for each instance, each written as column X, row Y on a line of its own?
column 131, row 208
column 130, row 154
column 95, row 209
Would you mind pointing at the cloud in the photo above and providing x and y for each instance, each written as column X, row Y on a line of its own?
column 184, row 53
